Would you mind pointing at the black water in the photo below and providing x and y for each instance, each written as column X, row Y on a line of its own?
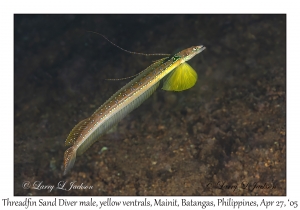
column 230, row 127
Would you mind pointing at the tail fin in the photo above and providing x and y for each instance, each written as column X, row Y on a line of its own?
column 69, row 159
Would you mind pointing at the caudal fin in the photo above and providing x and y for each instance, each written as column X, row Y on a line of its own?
column 69, row 159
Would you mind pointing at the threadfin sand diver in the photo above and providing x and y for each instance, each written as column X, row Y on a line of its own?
column 178, row 76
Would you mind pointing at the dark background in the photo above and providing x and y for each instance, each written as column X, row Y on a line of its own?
column 228, row 130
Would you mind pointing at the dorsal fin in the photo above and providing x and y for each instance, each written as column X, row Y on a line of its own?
column 149, row 68
column 137, row 53
column 76, row 132
column 181, row 78
column 155, row 63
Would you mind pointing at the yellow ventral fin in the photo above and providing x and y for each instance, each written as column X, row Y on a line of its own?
column 181, row 78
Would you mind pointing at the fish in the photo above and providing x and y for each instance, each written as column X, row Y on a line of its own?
column 173, row 71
